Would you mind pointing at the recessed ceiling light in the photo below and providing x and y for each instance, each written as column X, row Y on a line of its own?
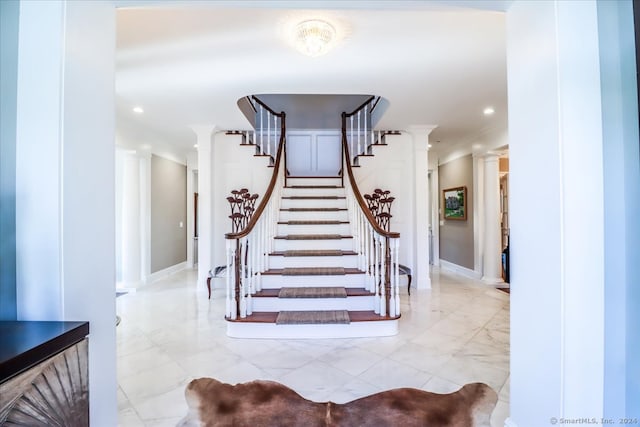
column 138, row 110
column 429, row 145
column 195, row 145
column 489, row 111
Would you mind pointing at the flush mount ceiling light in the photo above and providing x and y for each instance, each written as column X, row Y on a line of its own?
column 314, row 37
column 489, row 111
column 138, row 110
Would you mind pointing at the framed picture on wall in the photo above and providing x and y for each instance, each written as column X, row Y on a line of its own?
column 454, row 202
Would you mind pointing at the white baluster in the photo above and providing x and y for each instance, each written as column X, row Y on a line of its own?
column 275, row 135
column 228, row 280
column 376, row 270
column 366, row 107
column 261, row 131
column 232, row 272
column 359, row 151
column 397, row 274
column 243, row 283
column 392, row 278
column 351, row 147
column 383, row 299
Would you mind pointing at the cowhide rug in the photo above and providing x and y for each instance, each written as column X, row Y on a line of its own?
column 268, row 404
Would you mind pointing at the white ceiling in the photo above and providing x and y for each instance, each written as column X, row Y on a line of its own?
column 436, row 63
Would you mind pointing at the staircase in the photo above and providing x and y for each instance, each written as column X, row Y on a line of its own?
column 313, row 286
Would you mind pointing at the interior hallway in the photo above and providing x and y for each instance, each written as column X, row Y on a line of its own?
column 453, row 334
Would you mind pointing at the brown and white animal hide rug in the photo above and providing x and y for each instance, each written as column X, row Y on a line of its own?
column 271, row 404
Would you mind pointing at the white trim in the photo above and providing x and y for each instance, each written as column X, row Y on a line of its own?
column 509, row 423
column 379, row 328
column 161, row 274
column 458, row 269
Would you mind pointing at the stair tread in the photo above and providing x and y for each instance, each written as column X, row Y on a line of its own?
column 316, row 317
column 314, row 197
column 271, row 316
column 313, row 271
column 312, row 252
column 314, row 186
column 313, row 237
column 312, row 292
column 313, row 209
column 275, row 293
column 314, row 222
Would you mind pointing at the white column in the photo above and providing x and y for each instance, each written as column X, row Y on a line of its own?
column 556, row 211
column 419, row 240
column 145, row 215
column 65, row 179
column 492, row 247
column 131, row 247
column 478, row 213
column 204, row 136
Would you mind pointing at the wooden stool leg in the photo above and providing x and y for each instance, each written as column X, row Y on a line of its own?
column 209, row 286
column 409, row 285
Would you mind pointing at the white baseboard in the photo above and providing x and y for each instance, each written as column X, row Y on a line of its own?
column 509, row 423
column 458, row 269
column 161, row 274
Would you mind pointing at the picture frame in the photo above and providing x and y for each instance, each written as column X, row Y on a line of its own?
column 454, row 203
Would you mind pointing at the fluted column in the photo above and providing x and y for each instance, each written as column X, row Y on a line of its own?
column 491, row 270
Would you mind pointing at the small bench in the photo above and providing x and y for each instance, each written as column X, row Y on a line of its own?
column 219, row 271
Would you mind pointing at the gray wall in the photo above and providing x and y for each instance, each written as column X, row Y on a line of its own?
column 9, row 14
column 168, row 209
column 456, row 236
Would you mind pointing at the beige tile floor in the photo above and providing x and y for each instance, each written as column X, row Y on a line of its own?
column 170, row 333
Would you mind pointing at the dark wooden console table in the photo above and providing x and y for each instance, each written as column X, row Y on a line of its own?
column 44, row 373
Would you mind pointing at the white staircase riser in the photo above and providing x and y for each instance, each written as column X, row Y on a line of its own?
column 276, row 281
column 342, row 229
column 360, row 303
column 314, row 215
column 382, row 328
column 289, row 245
column 346, row 261
column 313, row 203
column 314, row 181
column 313, row 191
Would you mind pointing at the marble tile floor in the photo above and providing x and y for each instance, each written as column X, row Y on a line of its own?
column 170, row 333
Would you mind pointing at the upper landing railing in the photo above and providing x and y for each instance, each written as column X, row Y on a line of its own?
column 377, row 248
column 247, row 250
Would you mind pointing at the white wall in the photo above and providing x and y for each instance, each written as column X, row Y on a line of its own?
column 234, row 167
column 557, row 212
column 388, row 170
column 622, row 209
column 65, row 178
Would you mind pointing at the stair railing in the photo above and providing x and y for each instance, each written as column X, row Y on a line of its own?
column 247, row 251
column 360, row 133
column 377, row 248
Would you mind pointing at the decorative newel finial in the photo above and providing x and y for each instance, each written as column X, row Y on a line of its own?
column 379, row 204
column 242, row 208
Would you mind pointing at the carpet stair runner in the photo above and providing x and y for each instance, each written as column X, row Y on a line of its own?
column 314, row 287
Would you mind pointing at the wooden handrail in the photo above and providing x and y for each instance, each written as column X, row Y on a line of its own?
column 354, row 186
column 266, row 107
column 371, row 98
column 274, row 178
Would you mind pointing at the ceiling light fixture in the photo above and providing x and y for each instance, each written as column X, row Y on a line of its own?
column 195, row 145
column 314, row 37
column 138, row 110
column 489, row 111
